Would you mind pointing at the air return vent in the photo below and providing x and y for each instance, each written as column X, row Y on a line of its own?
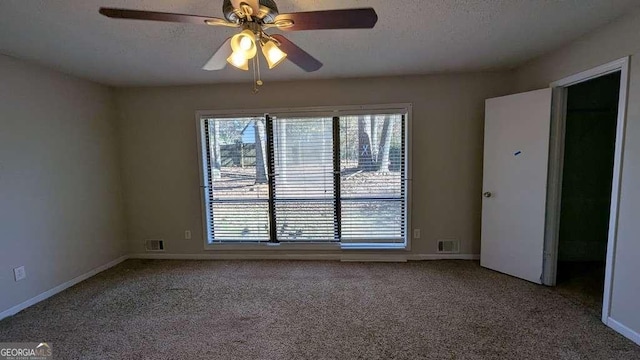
column 448, row 246
column 154, row 245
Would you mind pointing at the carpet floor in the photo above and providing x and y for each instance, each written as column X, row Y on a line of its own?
column 582, row 282
column 153, row 309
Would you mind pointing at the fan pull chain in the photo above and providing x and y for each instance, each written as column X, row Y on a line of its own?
column 255, row 87
column 257, row 81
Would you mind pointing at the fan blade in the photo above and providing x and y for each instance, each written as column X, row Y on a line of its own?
column 298, row 56
column 219, row 59
column 365, row 18
column 253, row 4
column 160, row 16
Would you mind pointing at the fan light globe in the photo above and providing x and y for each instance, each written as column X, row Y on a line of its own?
column 273, row 54
column 244, row 43
column 239, row 60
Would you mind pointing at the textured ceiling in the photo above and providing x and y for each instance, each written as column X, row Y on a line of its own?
column 411, row 37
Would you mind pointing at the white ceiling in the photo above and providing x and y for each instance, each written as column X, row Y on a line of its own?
column 411, row 37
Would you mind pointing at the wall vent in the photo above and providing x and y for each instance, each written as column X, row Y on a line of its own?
column 154, row 245
column 448, row 246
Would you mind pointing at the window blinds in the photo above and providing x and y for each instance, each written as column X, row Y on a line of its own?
column 303, row 188
column 237, row 195
column 373, row 181
column 306, row 179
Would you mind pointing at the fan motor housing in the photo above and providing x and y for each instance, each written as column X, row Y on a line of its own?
column 267, row 14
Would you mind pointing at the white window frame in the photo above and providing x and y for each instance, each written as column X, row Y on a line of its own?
column 400, row 108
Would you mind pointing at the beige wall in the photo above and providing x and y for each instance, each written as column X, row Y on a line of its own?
column 619, row 39
column 160, row 156
column 60, row 198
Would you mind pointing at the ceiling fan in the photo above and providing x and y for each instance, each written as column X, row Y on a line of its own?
column 254, row 17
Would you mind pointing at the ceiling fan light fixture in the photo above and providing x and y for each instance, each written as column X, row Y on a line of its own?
column 273, row 54
column 239, row 60
column 245, row 43
column 254, row 18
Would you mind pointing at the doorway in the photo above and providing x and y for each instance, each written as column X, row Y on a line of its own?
column 523, row 169
column 587, row 178
column 593, row 150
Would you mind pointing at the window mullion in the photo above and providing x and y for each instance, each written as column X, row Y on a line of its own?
column 209, row 182
column 336, row 180
column 273, row 237
column 403, row 173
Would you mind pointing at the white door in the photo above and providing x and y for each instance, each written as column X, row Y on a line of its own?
column 516, row 156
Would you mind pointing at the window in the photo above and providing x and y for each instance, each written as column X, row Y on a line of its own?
column 306, row 178
column 237, row 196
column 372, row 172
column 304, row 193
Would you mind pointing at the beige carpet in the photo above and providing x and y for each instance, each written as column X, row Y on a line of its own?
column 582, row 282
column 313, row 310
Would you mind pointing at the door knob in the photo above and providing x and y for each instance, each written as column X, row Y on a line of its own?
column 487, row 194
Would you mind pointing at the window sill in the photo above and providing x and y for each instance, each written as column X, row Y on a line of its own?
column 274, row 247
column 303, row 247
column 374, row 246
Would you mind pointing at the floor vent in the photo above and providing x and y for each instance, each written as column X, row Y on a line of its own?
column 448, row 246
column 154, row 245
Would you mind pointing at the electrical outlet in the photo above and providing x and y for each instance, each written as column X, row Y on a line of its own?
column 187, row 234
column 416, row 233
column 19, row 273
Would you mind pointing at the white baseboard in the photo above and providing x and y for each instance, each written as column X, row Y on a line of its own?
column 422, row 257
column 236, row 256
column 304, row 256
column 624, row 331
column 350, row 257
column 47, row 294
